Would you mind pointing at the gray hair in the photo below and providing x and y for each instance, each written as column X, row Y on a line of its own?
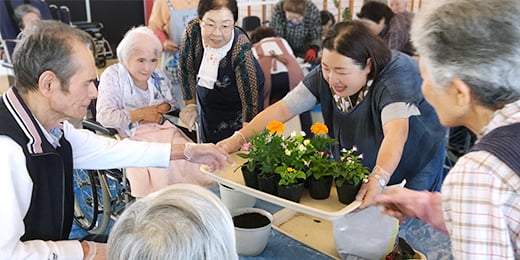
column 477, row 41
column 182, row 221
column 132, row 38
column 47, row 46
column 21, row 10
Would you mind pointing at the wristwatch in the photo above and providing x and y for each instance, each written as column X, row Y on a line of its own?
column 380, row 180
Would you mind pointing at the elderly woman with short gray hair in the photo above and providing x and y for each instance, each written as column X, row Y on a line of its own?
column 182, row 221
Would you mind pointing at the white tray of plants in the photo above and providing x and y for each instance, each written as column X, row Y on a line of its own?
column 300, row 159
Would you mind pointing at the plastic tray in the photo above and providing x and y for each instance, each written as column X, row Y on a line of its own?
column 307, row 229
column 329, row 209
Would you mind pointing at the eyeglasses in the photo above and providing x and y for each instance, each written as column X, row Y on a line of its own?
column 211, row 27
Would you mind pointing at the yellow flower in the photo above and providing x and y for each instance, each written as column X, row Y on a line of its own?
column 276, row 127
column 289, row 169
column 319, row 128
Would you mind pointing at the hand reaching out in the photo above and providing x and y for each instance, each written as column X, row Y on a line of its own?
column 398, row 202
column 368, row 192
column 232, row 143
column 208, row 154
column 401, row 203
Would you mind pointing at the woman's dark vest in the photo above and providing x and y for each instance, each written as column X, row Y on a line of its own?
column 50, row 213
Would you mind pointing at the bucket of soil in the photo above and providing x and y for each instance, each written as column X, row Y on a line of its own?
column 252, row 229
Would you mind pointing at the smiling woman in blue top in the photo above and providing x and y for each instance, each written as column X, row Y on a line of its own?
column 371, row 98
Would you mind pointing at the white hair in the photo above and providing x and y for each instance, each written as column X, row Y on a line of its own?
column 181, row 221
column 477, row 41
column 131, row 40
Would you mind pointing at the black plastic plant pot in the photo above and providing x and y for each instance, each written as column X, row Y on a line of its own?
column 267, row 184
column 347, row 192
column 320, row 189
column 250, row 177
column 291, row 192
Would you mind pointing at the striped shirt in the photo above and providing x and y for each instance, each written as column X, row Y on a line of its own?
column 481, row 201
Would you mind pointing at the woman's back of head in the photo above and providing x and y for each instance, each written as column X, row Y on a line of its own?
column 182, row 221
column 260, row 33
column 375, row 11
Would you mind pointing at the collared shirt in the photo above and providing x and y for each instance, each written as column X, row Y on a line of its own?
column 90, row 151
column 481, row 201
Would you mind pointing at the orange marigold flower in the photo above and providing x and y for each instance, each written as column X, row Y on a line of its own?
column 319, row 128
column 276, row 127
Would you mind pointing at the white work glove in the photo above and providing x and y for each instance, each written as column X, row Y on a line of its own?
column 188, row 115
column 208, row 154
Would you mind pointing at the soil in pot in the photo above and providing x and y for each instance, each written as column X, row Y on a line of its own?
column 347, row 192
column 320, row 189
column 291, row 192
column 250, row 220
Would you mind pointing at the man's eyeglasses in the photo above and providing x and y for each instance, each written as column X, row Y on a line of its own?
column 211, row 27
